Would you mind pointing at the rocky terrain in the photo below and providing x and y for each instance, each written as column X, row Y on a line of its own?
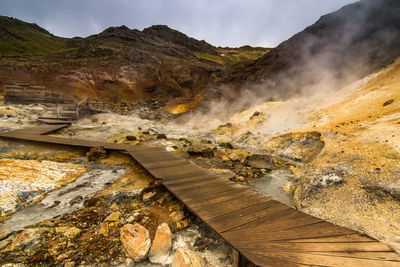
column 323, row 137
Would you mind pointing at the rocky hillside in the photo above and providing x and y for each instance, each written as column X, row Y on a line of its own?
column 117, row 64
column 340, row 47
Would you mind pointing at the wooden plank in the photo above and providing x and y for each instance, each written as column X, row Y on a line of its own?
column 282, row 219
column 335, row 239
column 193, row 199
column 202, row 191
column 262, row 260
column 221, row 198
column 307, row 231
column 317, row 247
column 171, row 163
column 383, row 256
column 235, row 221
column 324, row 260
column 227, row 207
column 192, row 179
column 206, row 181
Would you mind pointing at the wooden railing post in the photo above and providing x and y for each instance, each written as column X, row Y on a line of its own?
column 58, row 110
column 235, row 258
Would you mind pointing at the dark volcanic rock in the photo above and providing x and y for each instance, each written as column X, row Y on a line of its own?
column 96, row 153
column 165, row 33
column 388, row 102
column 200, row 151
column 131, row 138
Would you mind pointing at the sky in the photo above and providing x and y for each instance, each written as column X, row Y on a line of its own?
column 219, row 22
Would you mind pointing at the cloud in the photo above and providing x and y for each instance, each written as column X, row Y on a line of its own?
column 221, row 23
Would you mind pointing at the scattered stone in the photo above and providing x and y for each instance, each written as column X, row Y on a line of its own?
column 325, row 181
column 114, row 207
column 388, row 102
column 226, row 145
column 148, row 196
column 161, row 136
column 183, row 224
column 187, row 258
column 234, row 157
column 72, row 232
column 26, row 237
column 177, row 216
column 131, row 138
column 200, row 151
column 69, row 264
column 96, row 153
column 161, row 246
column 104, row 229
column 255, row 114
column 76, row 200
column 136, row 241
column 260, row 162
column 95, row 120
column 113, row 216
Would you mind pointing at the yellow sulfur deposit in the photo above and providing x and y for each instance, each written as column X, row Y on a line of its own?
column 23, row 182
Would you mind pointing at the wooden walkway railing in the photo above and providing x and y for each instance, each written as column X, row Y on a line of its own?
column 26, row 93
column 266, row 232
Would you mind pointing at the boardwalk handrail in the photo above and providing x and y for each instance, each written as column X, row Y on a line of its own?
column 89, row 103
column 31, row 93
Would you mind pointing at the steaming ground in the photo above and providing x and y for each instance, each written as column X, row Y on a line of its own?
column 352, row 182
column 334, row 154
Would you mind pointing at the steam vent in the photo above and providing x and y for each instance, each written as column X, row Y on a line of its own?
column 148, row 147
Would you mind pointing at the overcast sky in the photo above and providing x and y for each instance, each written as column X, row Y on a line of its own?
column 219, row 22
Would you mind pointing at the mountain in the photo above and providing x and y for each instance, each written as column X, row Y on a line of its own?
column 340, row 47
column 118, row 64
column 122, row 64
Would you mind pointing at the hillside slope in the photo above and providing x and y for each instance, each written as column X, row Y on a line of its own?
column 118, row 64
column 340, row 47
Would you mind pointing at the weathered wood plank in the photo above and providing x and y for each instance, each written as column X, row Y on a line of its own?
column 323, row 260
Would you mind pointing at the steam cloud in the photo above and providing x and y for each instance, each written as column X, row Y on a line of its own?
column 308, row 70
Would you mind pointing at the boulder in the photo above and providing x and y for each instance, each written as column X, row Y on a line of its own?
column 187, row 258
column 136, row 241
column 161, row 246
column 198, row 150
column 296, row 147
column 260, row 162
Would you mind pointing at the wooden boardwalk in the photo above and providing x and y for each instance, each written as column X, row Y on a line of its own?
column 266, row 232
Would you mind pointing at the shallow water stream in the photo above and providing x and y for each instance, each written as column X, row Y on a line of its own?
column 64, row 200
